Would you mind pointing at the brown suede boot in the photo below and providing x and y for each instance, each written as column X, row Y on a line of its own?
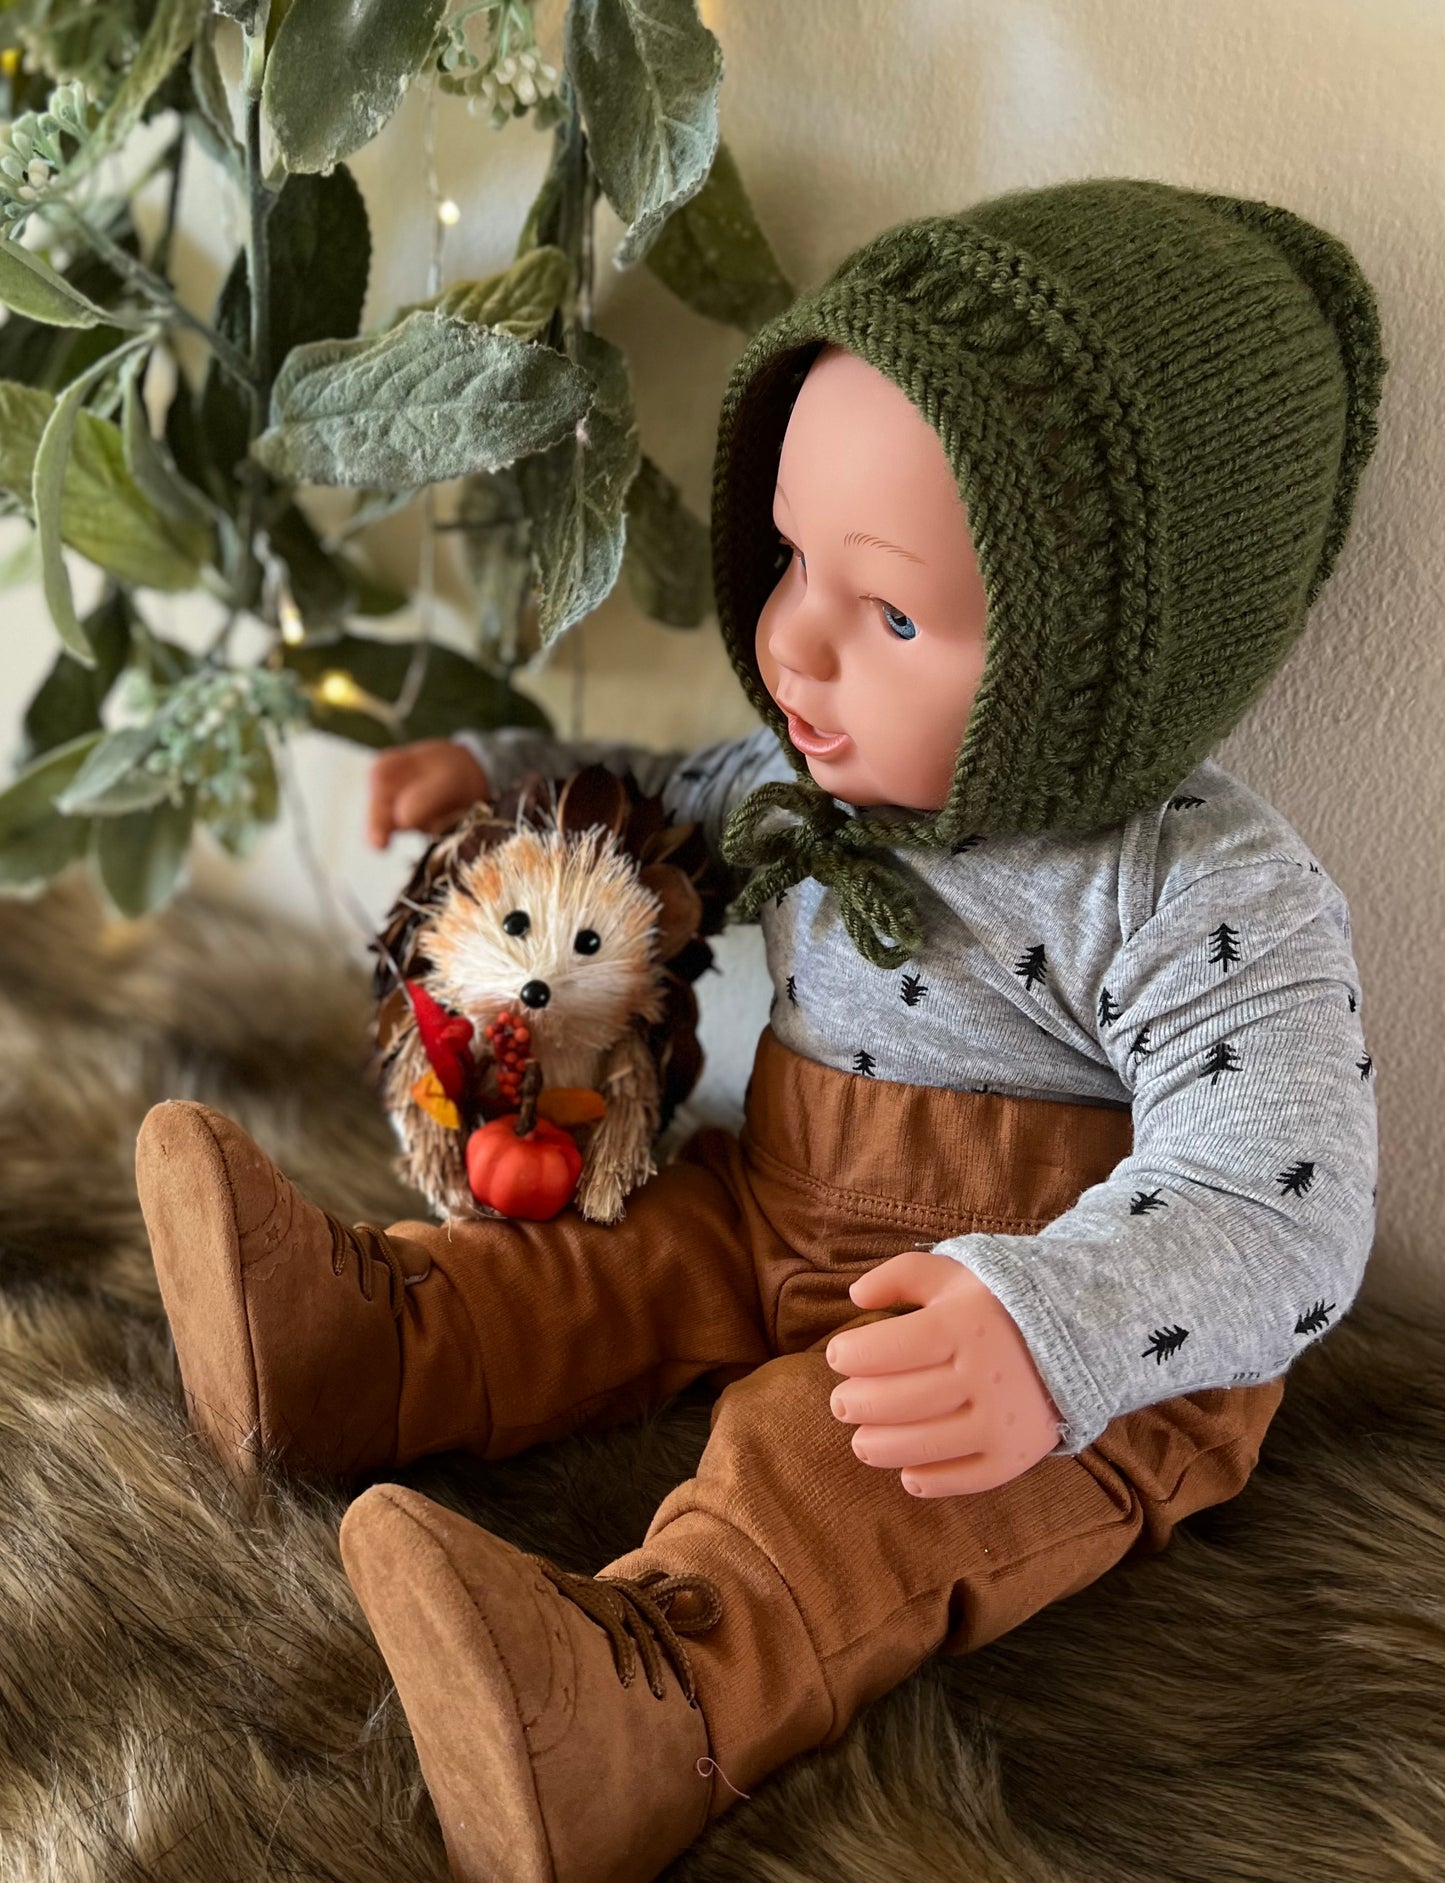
column 285, row 1319
column 547, row 1759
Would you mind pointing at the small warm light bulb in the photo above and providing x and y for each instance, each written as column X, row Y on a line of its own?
column 336, row 688
column 293, row 627
column 10, row 61
column 449, row 213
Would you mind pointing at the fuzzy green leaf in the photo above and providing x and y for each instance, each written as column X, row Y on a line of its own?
column 52, row 457
column 36, row 855
column 112, row 779
column 519, row 301
column 150, row 464
column 666, row 558
column 103, row 514
column 212, row 119
column 31, row 797
column 319, row 241
column 30, row 286
column 647, row 74
column 173, row 25
column 456, row 693
column 575, row 496
column 338, row 71
column 713, row 255
column 432, row 399
column 141, row 857
column 38, row 353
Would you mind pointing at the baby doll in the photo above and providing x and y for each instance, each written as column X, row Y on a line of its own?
column 1012, row 519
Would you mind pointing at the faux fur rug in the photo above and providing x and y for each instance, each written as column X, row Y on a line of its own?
column 190, row 1694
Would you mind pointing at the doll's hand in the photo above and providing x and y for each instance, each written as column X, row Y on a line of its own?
column 422, row 786
column 949, row 1394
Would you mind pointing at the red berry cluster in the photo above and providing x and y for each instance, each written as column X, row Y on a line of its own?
column 510, row 1039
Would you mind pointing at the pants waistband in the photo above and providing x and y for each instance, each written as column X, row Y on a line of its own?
column 965, row 1153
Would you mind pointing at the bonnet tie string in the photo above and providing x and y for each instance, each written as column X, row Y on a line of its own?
column 874, row 897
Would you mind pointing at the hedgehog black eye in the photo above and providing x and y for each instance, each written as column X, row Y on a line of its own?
column 517, row 923
column 587, row 941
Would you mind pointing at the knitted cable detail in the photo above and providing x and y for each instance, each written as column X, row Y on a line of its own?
column 845, row 854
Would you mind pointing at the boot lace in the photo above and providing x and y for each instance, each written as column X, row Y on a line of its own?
column 370, row 1246
column 636, row 1613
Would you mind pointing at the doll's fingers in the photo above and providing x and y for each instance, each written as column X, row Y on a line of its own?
column 924, row 1442
column 419, row 803
column 893, row 1399
column 912, row 1278
column 901, row 1344
column 389, row 771
column 958, row 1477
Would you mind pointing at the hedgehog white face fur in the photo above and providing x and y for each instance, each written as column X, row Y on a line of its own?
column 558, row 928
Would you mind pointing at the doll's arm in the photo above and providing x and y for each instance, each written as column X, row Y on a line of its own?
column 696, row 787
column 1237, row 1230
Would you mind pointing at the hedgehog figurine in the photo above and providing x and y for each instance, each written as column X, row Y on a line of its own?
column 539, row 966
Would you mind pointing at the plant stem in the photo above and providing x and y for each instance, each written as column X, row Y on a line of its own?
column 527, row 1110
column 173, row 161
column 258, row 259
column 160, row 293
column 258, row 281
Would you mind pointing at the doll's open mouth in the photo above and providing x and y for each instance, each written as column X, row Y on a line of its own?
column 812, row 743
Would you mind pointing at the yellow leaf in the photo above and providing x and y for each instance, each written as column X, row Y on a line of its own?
column 570, row 1105
column 428, row 1093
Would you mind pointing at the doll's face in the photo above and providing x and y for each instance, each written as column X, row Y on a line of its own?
column 873, row 641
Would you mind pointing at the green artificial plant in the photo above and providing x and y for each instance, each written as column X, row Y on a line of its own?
column 499, row 388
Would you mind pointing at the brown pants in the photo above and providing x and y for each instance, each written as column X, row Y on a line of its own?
column 734, row 1262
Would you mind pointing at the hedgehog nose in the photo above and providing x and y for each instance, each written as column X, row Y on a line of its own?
column 536, row 993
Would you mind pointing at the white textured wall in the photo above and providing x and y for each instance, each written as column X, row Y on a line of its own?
column 848, row 115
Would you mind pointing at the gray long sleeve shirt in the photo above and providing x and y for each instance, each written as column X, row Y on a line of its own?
column 1192, row 965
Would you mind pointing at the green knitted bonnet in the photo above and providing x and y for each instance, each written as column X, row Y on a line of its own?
column 1157, row 403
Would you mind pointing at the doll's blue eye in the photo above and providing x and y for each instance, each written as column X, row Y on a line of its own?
column 904, row 626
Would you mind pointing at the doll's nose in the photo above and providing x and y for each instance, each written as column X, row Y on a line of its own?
column 535, row 993
column 803, row 642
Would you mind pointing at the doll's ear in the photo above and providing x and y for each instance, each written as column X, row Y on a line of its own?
column 679, row 907
column 592, row 796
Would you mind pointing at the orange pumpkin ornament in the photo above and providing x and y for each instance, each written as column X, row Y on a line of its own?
column 522, row 1165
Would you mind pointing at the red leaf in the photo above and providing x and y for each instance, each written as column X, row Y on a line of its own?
column 446, row 1040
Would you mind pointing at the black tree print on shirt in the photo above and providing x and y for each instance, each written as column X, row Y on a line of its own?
column 913, row 989
column 1184, row 802
column 1164, row 1343
column 1143, row 1201
column 1226, row 940
column 1297, row 1179
column 1314, row 1319
column 792, row 990
column 1221, row 1059
column 1032, row 966
column 1353, row 1002
column 1365, row 1066
column 964, row 843
column 1108, row 1012
column 864, row 1062
column 1139, row 1047
column 703, row 774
